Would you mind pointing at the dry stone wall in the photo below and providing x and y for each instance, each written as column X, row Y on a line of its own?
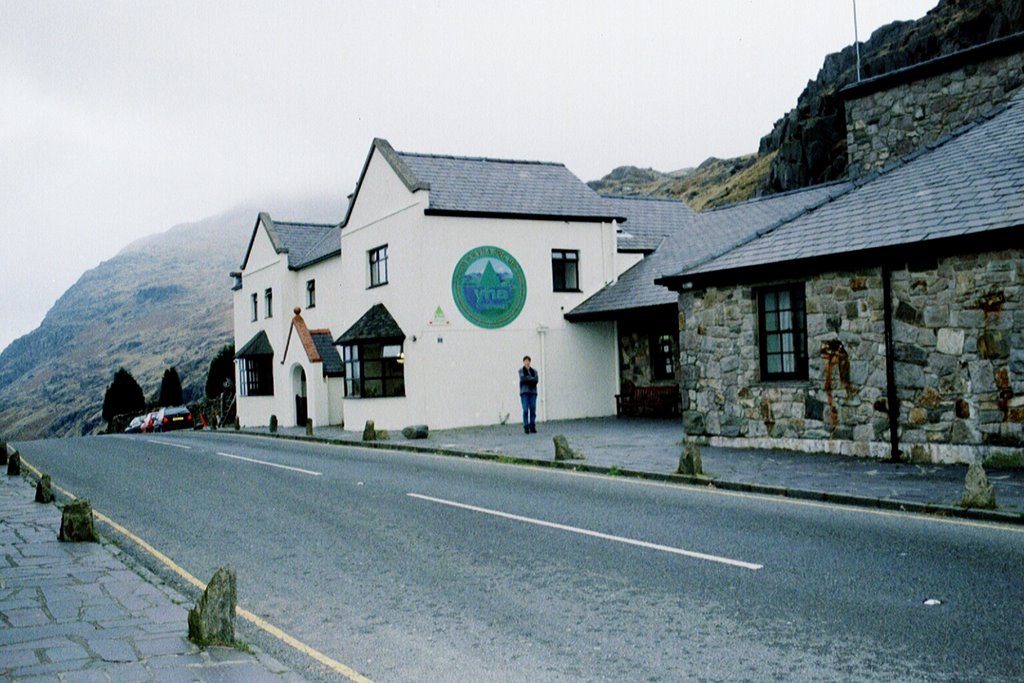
column 958, row 334
column 884, row 126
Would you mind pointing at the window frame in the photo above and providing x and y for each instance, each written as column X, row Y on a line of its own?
column 268, row 302
column 255, row 306
column 663, row 360
column 311, row 293
column 365, row 365
column 256, row 376
column 794, row 331
column 377, row 262
column 561, row 260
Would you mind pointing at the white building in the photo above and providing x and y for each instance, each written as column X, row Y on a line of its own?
column 444, row 273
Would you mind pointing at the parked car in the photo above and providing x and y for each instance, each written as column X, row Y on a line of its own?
column 135, row 426
column 178, row 417
column 148, row 422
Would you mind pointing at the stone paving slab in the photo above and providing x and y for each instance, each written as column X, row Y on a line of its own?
column 76, row 612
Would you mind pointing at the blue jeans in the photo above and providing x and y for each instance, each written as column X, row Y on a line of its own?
column 529, row 402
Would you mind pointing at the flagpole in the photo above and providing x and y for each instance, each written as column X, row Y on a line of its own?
column 856, row 39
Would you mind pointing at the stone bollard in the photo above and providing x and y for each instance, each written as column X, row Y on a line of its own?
column 13, row 462
column 369, row 431
column 416, row 432
column 44, row 490
column 978, row 491
column 563, row 451
column 3, row 452
column 238, row 424
column 212, row 620
column 690, row 462
column 273, row 424
column 309, row 428
column 76, row 523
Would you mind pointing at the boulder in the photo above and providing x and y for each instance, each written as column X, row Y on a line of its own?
column 44, row 490
column 416, row 432
column 212, row 620
column 76, row 523
column 369, row 431
column 13, row 462
column 978, row 491
column 238, row 423
column 273, row 424
column 563, row 451
column 309, row 428
column 689, row 461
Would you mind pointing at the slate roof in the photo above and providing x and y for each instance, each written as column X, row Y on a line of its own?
column 329, row 356
column 479, row 186
column 305, row 243
column 259, row 345
column 375, row 325
column 963, row 185
column 649, row 220
column 698, row 237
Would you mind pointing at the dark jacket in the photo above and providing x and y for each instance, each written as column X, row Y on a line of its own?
column 528, row 379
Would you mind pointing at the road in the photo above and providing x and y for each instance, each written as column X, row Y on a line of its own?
column 411, row 567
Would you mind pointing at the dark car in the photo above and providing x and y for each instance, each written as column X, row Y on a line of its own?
column 173, row 418
column 135, row 426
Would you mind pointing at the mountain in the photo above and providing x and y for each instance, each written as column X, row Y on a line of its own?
column 807, row 145
column 162, row 301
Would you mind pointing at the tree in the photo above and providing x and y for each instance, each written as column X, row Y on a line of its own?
column 124, row 396
column 170, row 388
column 222, row 372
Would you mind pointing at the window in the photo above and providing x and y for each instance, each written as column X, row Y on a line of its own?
column 373, row 370
column 378, row 266
column 256, row 376
column 565, row 270
column 782, row 333
column 268, row 303
column 663, row 362
column 255, row 306
column 310, row 293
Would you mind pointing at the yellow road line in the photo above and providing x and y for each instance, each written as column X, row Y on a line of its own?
column 260, row 623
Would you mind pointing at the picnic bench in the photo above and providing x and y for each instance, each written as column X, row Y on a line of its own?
column 659, row 399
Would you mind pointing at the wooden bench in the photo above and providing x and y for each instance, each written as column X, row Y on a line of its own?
column 660, row 400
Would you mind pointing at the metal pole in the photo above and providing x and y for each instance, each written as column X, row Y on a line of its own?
column 856, row 39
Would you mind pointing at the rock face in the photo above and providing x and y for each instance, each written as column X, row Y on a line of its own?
column 44, row 490
column 563, row 451
column 212, row 620
column 76, row 523
column 978, row 491
column 416, row 432
column 690, row 461
column 13, row 462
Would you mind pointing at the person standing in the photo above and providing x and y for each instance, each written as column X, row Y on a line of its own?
column 528, row 378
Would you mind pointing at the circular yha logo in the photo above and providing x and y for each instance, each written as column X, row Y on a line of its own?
column 489, row 287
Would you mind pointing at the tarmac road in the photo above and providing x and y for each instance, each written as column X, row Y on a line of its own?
column 411, row 567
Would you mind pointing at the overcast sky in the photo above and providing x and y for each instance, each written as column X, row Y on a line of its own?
column 121, row 119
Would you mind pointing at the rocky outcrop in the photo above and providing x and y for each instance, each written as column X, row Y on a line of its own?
column 212, row 620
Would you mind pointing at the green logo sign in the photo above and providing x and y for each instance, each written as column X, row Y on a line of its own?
column 489, row 287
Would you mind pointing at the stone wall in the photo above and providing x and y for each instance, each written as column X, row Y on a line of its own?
column 958, row 333
column 886, row 125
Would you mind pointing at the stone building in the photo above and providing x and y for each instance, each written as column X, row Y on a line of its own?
column 887, row 320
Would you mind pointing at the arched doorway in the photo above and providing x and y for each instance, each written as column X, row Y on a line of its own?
column 299, row 389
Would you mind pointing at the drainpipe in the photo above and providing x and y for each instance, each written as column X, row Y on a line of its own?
column 890, row 366
column 542, row 332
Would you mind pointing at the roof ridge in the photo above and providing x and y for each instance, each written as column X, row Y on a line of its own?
column 768, row 197
column 493, row 160
column 645, row 199
column 307, row 225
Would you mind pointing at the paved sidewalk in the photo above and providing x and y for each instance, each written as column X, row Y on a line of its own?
column 651, row 447
column 76, row 612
